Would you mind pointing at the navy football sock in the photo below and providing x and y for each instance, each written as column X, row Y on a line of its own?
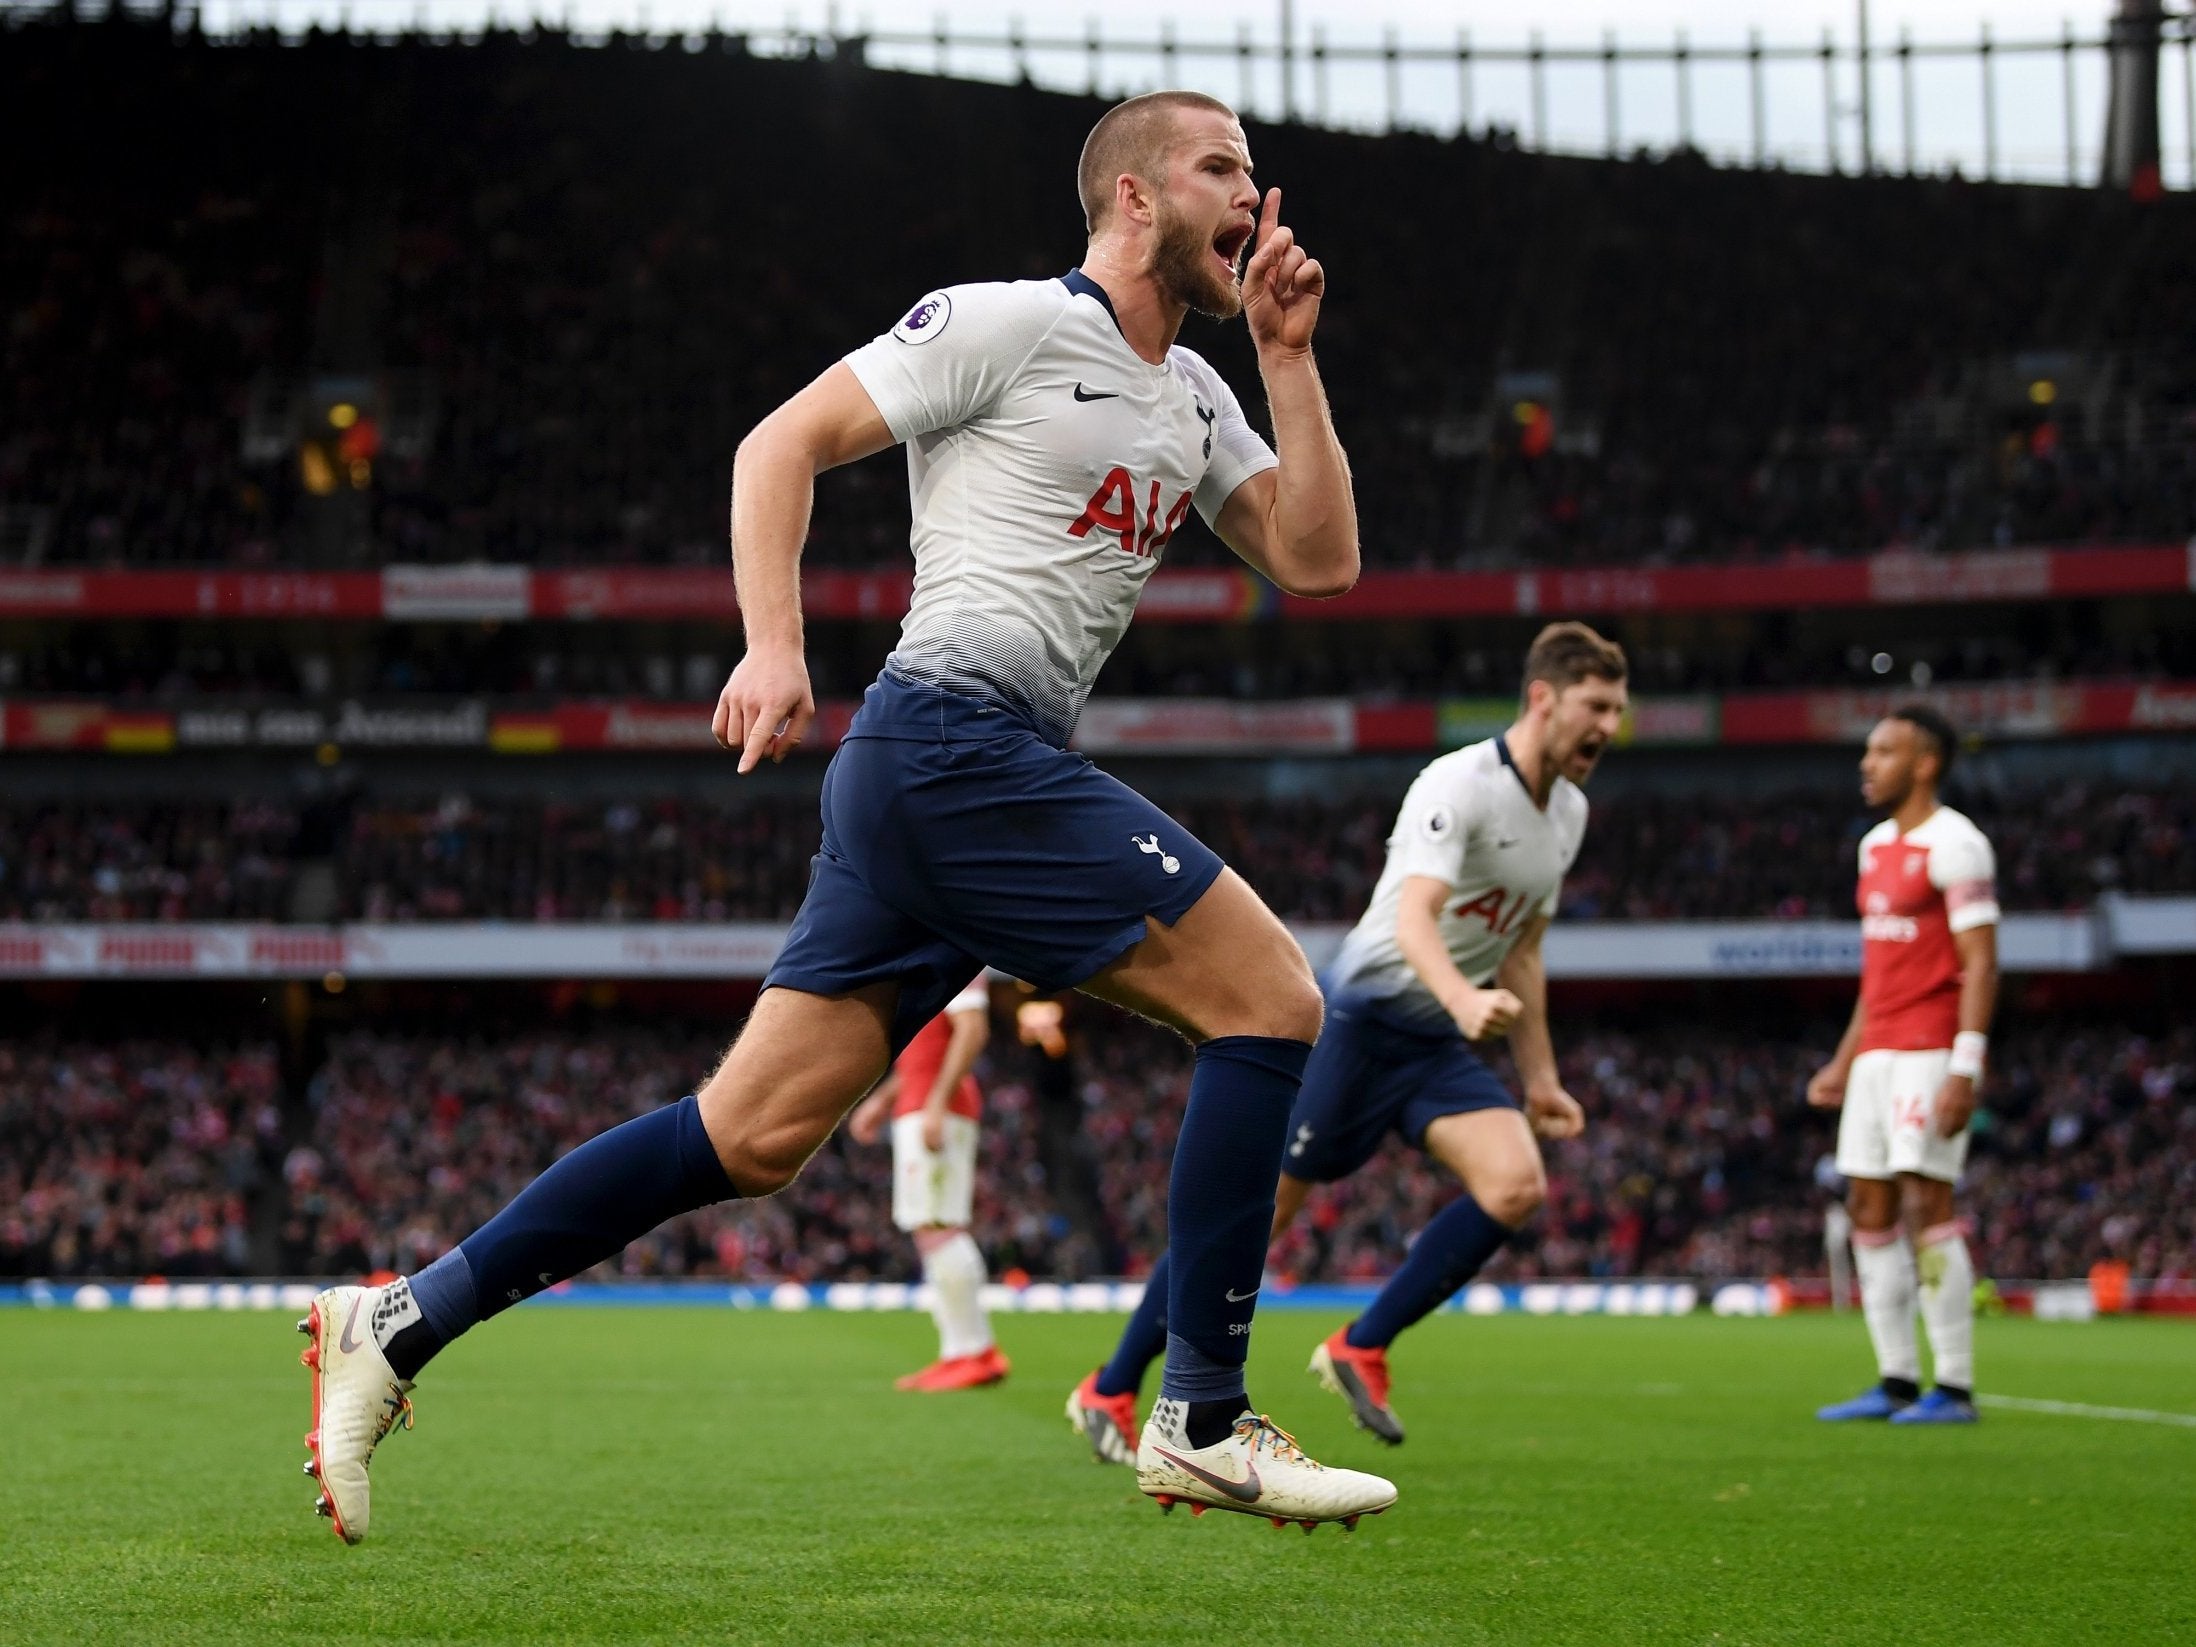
column 1448, row 1252
column 1227, row 1165
column 1143, row 1340
column 612, row 1189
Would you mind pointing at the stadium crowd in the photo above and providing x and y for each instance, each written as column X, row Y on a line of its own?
column 135, row 1156
column 521, row 256
column 1700, row 1159
column 517, row 268
column 667, row 858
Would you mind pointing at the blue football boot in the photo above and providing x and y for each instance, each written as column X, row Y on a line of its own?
column 1938, row 1408
column 1874, row 1402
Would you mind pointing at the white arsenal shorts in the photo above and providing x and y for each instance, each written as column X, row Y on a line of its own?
column 933, row 1190
column 1889, row 1124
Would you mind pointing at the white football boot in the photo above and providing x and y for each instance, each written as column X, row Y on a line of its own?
column 357, row 1400
column 1257, row 1470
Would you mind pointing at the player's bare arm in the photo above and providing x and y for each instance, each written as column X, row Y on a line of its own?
column 866, row 1125
column 971, row 1033
column 1482, row 1014
column 1978, row 947
column 1553, row 1112
column 1296, row 524
column 767, row 705
column 1826, row 1087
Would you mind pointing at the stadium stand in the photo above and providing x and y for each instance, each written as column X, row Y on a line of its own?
column 1701, row 1161
column 670, row 858
column 524, row 261
column 360, row 307
column 133, row 1157
column 177, row 662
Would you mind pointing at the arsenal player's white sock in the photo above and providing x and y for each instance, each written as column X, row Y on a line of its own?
column 1886, row 1266
column 1948, row 1305
column 955, row 1270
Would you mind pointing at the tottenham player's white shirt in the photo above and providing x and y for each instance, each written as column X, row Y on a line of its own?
column 1470, row 821
column 1048, row 464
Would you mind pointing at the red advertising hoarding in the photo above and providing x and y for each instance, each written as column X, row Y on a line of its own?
column 603, row 594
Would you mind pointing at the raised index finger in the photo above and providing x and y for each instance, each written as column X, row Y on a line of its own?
column 1269, row 216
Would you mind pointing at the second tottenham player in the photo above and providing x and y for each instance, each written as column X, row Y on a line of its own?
column 1447, row 954
column 1057, row 435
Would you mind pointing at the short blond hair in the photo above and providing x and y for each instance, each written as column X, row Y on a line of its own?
column 1133, row 137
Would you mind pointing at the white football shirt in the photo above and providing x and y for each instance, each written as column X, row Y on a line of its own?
column 1468, row 820
column 1048, row 465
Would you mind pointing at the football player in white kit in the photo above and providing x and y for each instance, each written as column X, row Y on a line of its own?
column 1056, row 435
column 1447, row 953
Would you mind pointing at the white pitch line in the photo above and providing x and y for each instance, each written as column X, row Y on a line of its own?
column 2081, row 1409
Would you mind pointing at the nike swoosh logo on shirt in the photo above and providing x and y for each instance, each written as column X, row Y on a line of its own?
column 1096, row 394
column 347, row 1344
column 1235, row 1297
column 1245, row 1491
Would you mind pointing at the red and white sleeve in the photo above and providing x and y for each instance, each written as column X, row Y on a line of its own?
column 1965, row 870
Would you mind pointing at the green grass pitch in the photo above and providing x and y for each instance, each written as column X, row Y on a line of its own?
column 711, row 1476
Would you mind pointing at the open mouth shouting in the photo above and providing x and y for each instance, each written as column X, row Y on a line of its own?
column 1199, row 266
column 1229, row 245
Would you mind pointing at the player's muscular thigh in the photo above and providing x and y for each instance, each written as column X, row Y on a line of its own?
column 800, row 1064
column 1228, row 967
column 1495, row 1155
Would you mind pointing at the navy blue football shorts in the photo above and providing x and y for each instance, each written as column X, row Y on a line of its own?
column 955, row 838
column 1371, row 1075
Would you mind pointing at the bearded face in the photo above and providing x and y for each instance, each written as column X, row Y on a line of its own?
column 1588, row 716
column 1887, row 764
column 1196, row 266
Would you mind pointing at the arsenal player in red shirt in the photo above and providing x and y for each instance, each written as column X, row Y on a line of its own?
column 1906, row 1072
column 933, row 1101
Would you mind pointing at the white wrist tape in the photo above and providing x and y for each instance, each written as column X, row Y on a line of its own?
column 1968, row 1050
